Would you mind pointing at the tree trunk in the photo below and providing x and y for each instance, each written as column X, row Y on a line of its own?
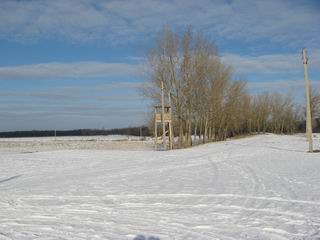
column 195, row 133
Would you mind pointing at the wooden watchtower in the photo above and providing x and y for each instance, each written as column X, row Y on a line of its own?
column 163, row 116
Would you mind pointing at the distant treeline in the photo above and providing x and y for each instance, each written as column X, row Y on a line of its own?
column 134, row 131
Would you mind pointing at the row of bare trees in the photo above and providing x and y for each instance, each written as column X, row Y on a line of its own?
column 207, row 104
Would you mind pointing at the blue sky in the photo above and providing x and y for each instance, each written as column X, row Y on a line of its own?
column 68, row 64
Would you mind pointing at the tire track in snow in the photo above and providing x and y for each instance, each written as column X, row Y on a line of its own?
column 214, row 175
column 246, row 172
column 4, row 236
column 257, row 203
column 255, row 206
column 284, row 184
column 250, row 202
column 284, row 215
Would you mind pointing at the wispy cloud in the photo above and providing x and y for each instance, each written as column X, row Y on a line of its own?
column 269, row 64
column 112, row 105
column 243, row 64
column 121, row 21
column 274, row 63
column 68, row 70
column 277, row 84
column 110, row 92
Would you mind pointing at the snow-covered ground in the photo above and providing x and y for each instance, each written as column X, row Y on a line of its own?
column 123, row 142
column 262, row 187
column 73, row 138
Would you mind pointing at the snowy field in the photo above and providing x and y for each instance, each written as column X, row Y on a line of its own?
column 262, row 187
column 120, row 142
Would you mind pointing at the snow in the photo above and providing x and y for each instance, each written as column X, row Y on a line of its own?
column 261, row 187
column 73, row 138
column 76, row 142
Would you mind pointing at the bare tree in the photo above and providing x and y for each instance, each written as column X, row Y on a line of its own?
column 207, row 104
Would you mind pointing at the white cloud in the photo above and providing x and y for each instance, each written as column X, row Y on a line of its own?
column 276, row 84
column 242, row 64
column 263, row 64
column 68, row 70
column 296, row 86
column 118, row 21
column 269, row 64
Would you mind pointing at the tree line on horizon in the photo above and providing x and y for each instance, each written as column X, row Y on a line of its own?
column 133, row 131
column 207, row 103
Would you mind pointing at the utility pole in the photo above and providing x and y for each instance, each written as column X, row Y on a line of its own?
column 308, row 103
column 162, row 116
